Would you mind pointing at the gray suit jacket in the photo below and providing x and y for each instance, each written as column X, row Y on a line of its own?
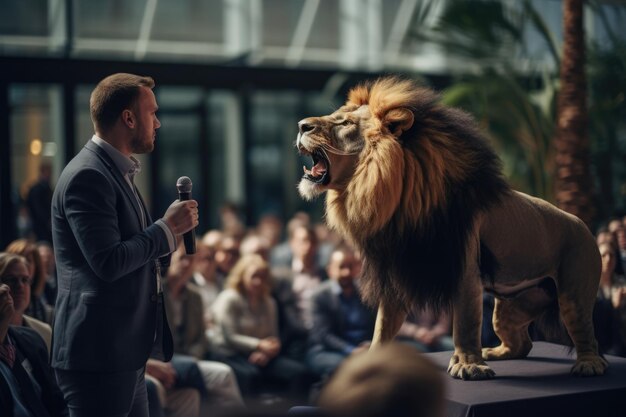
column 109, row 316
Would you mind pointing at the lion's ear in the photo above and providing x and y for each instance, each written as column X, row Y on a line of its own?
column 399, row 121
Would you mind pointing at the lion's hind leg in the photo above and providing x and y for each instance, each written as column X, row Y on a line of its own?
column 578, row 284
column 577, row 317
column 511, row 318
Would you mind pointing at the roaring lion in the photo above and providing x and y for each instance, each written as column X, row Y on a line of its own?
column 417, row 188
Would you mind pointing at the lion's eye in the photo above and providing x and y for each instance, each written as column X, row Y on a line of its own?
column 345, row 122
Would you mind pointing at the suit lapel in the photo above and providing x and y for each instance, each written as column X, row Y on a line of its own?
column 121, row 181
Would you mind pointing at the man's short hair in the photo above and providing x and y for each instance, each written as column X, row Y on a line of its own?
column 391, row 380
column 114, row 94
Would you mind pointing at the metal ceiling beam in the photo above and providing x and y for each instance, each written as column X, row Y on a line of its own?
column 301, row 33
column 374, row 34
column 90, row 71
column 56, row 23
column 145, row 29
column 399, row 28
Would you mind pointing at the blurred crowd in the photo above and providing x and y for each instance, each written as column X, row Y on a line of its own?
column 264, row 315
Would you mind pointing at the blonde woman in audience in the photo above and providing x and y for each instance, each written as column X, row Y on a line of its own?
column 247, row 331
column 15, row 272
column 185, row 314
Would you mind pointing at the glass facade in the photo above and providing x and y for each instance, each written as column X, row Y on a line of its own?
column 233, row 79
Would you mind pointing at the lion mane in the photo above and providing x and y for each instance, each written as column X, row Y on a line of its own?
column 424, row 174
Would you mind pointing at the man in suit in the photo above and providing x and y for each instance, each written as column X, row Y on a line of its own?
column 109, row 312
column 27, row 384
column 342, row 324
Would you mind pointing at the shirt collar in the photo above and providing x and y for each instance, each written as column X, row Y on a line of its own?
column 126, row 165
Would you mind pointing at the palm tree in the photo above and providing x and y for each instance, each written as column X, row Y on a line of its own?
column 517, row 105
column 573, row 181
column 514, row 107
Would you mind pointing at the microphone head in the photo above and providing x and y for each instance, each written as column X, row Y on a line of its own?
column 184, row 185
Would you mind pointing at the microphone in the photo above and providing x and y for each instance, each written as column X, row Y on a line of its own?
column 184, row 193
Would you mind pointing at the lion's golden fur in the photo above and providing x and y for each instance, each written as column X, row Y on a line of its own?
column 409, row 177
column 420, row 165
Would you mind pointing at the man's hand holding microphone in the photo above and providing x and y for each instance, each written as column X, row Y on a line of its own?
column 182, row 215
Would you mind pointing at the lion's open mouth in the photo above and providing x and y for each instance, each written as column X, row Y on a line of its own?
column 319, row 172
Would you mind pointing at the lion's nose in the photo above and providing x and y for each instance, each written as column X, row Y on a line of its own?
column 305, row 126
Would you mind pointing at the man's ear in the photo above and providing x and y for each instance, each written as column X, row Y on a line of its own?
column 398, row 121
column 128, row 118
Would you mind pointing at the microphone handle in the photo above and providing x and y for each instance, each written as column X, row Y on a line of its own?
column 189, row 237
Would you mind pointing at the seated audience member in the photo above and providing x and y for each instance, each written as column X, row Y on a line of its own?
column 205, row 277
column 342, row 324
column 185, row 309
column 604, row 236
column 304, row 274
column 291, row 329
column 226, row 256
column 173, row 402
column 255, row 244
column 393, row 380
column 427, row 331
column 14, row 272
column 27, row 385
column 281, row 254
column 609, row 314
column 328, row 240
column 270, row 227
column 230, row 220
column 247, row 331
column 38, row 307
column 613, row 224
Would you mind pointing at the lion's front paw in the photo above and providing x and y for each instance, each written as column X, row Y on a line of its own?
column 590, row 365
column 469, row 367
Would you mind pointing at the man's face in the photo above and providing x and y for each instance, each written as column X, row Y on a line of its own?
column 227, row 255
column 18, row 278
column 144, row 111
column 608, row 257
column 205, row 258
column 302, row 243
column 343, row 268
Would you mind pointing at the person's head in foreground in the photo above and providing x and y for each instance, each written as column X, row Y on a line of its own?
column 392, row 380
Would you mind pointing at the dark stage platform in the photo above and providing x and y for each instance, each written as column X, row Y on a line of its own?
column 538, row 386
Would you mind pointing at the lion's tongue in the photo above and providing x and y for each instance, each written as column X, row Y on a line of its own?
column 318, row 169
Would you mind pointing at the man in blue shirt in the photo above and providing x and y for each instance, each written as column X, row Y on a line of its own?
column 342, row 324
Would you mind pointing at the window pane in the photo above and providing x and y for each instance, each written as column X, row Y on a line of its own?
column 37, row 141
column 177, row 144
